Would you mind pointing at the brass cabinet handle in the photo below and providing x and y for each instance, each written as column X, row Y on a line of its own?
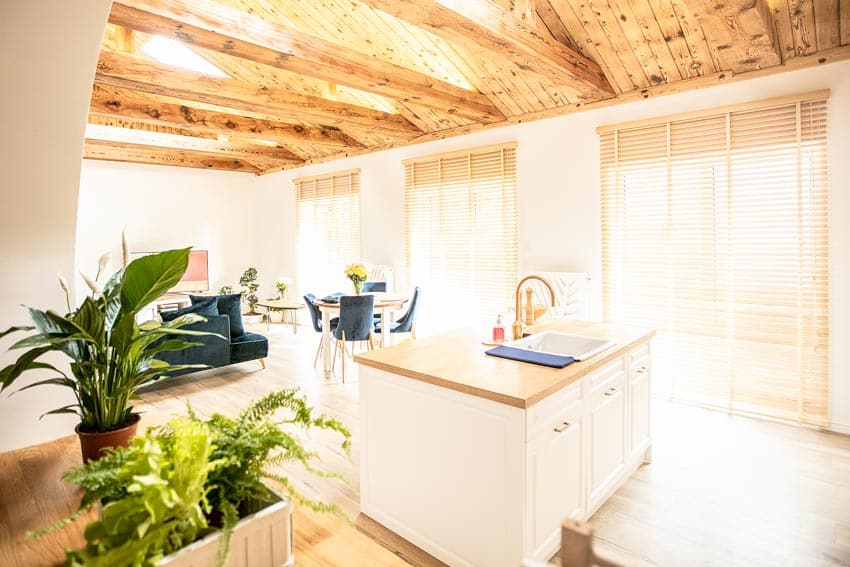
column 563, row 427
column 611, row 391
column 642, row 370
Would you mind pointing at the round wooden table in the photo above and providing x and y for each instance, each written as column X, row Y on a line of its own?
column 287, row 307
column 386, row 304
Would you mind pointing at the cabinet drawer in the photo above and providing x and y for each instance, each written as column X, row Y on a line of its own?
column 540, row 414
column 606, row 373
column 639, row 353
column 557, row 423
column 607, row 390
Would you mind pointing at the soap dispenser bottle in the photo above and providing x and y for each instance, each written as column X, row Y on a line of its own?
column 499, row 331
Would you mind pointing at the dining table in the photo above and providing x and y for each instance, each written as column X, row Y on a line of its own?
column 385, row 303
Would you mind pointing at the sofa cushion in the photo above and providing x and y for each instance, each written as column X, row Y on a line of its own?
column 231, row 305
column 248, row 346
column 206, row 308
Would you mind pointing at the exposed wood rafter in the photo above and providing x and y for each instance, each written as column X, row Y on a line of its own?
column 479, row 24
column 238, row 34
column 151, row 109
column 741, row 31
column 147, row 154
column 134, row 73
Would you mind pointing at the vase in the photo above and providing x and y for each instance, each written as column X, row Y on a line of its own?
column 358, row 285
column 95, row 445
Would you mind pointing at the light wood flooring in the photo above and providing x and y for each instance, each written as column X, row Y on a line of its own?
column 721, row 490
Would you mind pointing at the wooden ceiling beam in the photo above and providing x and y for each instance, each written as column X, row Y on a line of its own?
column 191, row 143
column 239, row 34
column 142, row 107
column 478, row 25
column 130, row 72
column 155, row 155
column 742, row 32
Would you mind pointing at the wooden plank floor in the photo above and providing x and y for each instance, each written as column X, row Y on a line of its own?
column 721, row 490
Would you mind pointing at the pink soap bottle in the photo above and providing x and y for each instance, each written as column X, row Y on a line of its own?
column 499, row 331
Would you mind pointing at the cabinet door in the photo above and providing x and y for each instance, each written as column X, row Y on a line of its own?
column 639, row 386
column 607, row 439
column 556, row 477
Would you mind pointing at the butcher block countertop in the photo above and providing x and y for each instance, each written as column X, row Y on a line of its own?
column 456, row 360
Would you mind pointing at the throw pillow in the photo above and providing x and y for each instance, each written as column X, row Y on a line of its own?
column 207, row 308
column 231, row 305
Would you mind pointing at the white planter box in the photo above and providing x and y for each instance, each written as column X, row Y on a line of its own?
column 263, row 539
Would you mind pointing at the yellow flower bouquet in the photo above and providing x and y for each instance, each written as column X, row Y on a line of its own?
column 357, row 274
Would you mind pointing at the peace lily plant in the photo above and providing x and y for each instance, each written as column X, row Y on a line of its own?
column 111, row 354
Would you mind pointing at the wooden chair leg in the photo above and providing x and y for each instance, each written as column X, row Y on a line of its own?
column 262, row 363
column 318, row 351
column 413, row 332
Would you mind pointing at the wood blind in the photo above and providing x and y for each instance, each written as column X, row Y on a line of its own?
column 461, row 233
column 328, row 230
column 715, row 233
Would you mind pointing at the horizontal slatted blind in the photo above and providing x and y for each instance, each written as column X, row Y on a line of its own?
column 715, row 234
column 328, row 229
column 461, row 233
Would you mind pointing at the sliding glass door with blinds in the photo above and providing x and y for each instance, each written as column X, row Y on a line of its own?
column 461, row 235
column 715, row 233
column 328, row 229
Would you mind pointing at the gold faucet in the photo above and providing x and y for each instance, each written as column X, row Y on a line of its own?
column 518, row 325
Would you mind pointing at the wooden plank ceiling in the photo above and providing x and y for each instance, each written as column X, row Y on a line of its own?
column 306, row 81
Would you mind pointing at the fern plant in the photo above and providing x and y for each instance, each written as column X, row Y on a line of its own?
column 177, row 481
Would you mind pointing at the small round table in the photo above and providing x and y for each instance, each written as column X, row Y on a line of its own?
column 290, row 309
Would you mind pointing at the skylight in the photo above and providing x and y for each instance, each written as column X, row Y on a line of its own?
column 172, row 52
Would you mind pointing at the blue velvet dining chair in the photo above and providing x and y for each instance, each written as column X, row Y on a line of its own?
column 316, row 317
column 355, row 324
column 407, row 322
column 375, row 287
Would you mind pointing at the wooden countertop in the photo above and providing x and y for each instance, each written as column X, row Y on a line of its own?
column 456, row 360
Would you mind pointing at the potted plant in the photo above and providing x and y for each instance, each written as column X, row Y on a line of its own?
column 181, row 491
column 225, row 290
column 111, row 354
column 357, row 274
column 249, row 294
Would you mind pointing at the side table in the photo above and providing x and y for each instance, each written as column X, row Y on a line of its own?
column 290, row 311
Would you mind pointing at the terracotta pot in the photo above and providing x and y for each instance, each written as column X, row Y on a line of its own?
column 94, row 445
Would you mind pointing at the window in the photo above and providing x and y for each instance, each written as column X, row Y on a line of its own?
column 715, row 234
column 461, row 235
column 328, row 229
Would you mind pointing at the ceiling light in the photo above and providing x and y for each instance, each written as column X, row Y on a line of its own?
column 172, row 52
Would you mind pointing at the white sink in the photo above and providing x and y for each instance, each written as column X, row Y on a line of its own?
column 579, row 347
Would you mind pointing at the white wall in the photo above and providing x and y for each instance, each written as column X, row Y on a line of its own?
column 48, row 53
column 172, row 207
column 559, row 193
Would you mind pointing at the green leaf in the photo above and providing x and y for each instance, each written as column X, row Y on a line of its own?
column 55, row 340
column 149, row 277
column 90, row 318
column 25, row 362
column 58, row 381
column 69, row 409
column 11, row 330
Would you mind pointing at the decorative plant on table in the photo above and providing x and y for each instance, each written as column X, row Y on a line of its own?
column 249, row 281
column 177, row 483
column 112, row 355
column 357, row 274
column 282, row 284
column 225, row 290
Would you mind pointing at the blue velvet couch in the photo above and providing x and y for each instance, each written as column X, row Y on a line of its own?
column 224, row 317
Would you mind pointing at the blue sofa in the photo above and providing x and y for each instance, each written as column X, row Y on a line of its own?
column 224, row 317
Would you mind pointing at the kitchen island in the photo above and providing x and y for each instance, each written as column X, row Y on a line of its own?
column 477, row 459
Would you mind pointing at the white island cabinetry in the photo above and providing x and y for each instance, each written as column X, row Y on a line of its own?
column 483, row 476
